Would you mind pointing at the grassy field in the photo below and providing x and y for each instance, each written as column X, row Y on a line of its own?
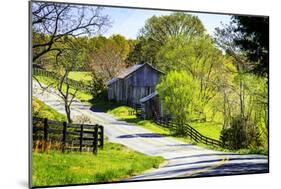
column 209, row 129
column 81, row 76
column 112, row 163
column 41, row 109
column 83, row 96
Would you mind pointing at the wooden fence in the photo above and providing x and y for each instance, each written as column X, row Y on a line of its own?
column 79, row 85
column 77, row 137
column 188, row 130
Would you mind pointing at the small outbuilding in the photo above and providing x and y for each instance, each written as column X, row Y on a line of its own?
column 151, row 106
column 133, row 84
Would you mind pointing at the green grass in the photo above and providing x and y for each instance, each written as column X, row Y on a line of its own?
column 40, row 109
column 81, row 95
column 112, row 163
column 208, row 129
column 81, row 76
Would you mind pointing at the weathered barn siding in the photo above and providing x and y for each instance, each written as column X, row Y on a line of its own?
column 137, row 84
column 115, row 91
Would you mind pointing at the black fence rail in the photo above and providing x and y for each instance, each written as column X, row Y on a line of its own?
column 189, row 131
column 79, row 85
column 71, row 137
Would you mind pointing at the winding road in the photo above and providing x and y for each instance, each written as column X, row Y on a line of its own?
column 183, row 159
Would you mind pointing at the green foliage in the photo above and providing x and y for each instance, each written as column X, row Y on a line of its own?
column 99, row 89
column 254, row 41
column 179, row 93
column 158, row 29
column 242, row 133
column 112, row 163
column 235, row 136
column 200, row 59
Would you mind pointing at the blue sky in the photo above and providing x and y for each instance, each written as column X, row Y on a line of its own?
column 128, row 22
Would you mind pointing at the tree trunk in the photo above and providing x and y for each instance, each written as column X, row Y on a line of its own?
column 68, row 113
column 241, row 96
column 224, row 111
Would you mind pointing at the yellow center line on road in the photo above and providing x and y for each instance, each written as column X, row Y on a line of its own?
column 216, row 165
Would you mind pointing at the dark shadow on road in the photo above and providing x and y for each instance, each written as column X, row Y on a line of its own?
column 94, row 109
column 142, row 135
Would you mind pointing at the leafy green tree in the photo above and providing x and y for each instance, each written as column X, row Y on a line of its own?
column 179, row 94
column 199, row 57
column 158, row 30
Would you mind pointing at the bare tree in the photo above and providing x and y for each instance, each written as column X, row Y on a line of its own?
column 71, row 58
column 225, row 40
column 106, row 63
column 56, row 20
column 55, row 27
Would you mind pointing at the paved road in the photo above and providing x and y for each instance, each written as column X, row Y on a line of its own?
column 183, row 159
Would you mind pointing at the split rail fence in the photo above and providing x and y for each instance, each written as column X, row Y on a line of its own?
column 79, row 85
column 188, row 130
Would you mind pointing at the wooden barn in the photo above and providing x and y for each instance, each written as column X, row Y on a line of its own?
column 133, row 84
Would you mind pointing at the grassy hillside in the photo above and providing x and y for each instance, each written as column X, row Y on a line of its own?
column 81, row 76
column 40, row 109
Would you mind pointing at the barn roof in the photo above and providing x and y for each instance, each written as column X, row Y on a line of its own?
column 112, row 80
column 129, row 71
column 148, row 97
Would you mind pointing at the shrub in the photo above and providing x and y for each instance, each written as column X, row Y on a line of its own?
column 241, row 134
column 234, row 137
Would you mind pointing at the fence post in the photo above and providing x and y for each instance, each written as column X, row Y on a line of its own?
column 95, row 140
column 45, row 129
column 101, row 136
column 45, row 133
column 81, row 138
column 63, row 136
